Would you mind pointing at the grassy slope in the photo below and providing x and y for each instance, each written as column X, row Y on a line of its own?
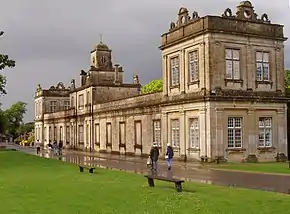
column 29, row 184
column 282, row 168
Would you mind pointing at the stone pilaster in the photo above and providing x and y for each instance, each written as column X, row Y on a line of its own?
column 203, row 134
column 219, row 146
column 165, row 75
column 182, row 71
column 251, row 147
column 282, row 135
column 182, row 133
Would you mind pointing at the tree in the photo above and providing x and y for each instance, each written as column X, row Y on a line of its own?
column 152, row 87
column 287, row 78
column 25, row 128
column 4, row 62
column 15, row 116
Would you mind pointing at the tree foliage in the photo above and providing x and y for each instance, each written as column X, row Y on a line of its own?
column 152, row 87
column 5, row 61
column 287, row 78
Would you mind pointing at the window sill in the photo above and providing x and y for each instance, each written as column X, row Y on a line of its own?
column 235, row 149
column 265, row 82
column 138, row 146
column 174, row 86
column 234, row 81
column 195, row 82
column 193, row 149
column 266, row 149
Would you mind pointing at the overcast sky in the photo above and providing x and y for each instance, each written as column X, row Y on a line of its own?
column 51, row 39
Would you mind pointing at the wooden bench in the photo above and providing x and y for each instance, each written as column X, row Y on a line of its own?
column 178, row 182
column 90, row 168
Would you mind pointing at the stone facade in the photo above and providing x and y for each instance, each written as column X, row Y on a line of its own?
column 223, row 95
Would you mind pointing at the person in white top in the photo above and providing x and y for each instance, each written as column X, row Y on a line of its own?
column 37, row 147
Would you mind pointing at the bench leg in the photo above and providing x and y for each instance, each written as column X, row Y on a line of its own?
column 81, row 169
column 91, row 171
column 151, row 182
column 178, row 187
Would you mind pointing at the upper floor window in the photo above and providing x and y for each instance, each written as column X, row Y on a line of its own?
column 52, row 106
column 66, row 105
column 81, row 100
column 72, row 104
column 193, row 66
column 234, row 132
column 233, row 64
column 262, row 64
column 265, row 132
column 174, row 67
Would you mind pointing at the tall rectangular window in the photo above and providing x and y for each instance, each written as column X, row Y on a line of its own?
column 122, row 133
column 81, row 101
column 157, row 132
column 175, row 136
column 138, row 133
column 97, row 133
column 55, row 133
column 233, row 64
column 234, row 132
column 60, row 133
column 67, row 133
column 52, row 106
column 49, row 133
column 108, row 133
column 87, row 133
column 72, row 104
column 193, row 66
column 194, row 133
column 81, row 134
column 45, row 134
column 174, row 67
column 262, row 64
column 265, row 132
column 66, row 105
column 88, row 98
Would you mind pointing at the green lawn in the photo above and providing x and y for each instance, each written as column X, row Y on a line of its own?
column 29, row 184
column 280, row 168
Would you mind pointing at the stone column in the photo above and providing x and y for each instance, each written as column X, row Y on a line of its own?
column 251, row 146
column 164, row 129
column 249, row 74
column 219, row 147
column 182, row 71
column 182, row 133
column 165, row 75
column 282, row 135
column 203, row 134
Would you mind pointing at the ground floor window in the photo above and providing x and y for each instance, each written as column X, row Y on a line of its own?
column 194, row 133
column 81, row 133
column 175, row 136
column 234, row 132
column 265, row 132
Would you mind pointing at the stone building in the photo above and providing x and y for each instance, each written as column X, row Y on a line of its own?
column 223, row 95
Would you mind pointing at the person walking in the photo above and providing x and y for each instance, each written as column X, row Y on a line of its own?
column 169, row 155
column 55, row 147
column 154, row 154
column 37, row 144
column 60, row 145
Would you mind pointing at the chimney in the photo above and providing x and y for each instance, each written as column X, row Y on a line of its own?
column 82, row 77
column 117, row 74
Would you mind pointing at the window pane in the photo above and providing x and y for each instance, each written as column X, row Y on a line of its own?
column 236, row 69
column 229, row 69
column 259, row 71
column 229, row 54
column 236, row 54
column 230, row 138
column 237, row 122
column 265, row 57
column 259, row 56
column 230, row 122
column 266, row 71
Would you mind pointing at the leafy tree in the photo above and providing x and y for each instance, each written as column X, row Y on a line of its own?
column 15, row 116
column 25, row 128
column 153, row 86
column 287, row 78
column 4, row 62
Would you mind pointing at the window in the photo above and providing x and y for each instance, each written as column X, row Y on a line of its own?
column 174, row 66
column 265, row 132
column 60, row 133
column 87, row 133
column 262, row 63
column 193, row 66
column 175, row 133
column 138, row 132
column 157, row 132
column 67, row 135
column 81, row 134
column 49, row 133
column 97, row 133
column 66, row 105
column 122, row 133
column 52, row 106
column 88, row 98
column 233, row 64
column 81, row 101
column 45, row 134
column 234, row 132
column 194, row 133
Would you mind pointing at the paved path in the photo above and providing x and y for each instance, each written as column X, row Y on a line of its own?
column 187, row 171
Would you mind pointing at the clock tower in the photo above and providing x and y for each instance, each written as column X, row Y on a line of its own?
column 101, row 57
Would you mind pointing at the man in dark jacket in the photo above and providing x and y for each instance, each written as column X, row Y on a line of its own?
column 154, row 154
column 60, row 145
column 169, row 155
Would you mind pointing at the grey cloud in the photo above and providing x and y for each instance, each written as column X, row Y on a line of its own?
column 51, row 40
